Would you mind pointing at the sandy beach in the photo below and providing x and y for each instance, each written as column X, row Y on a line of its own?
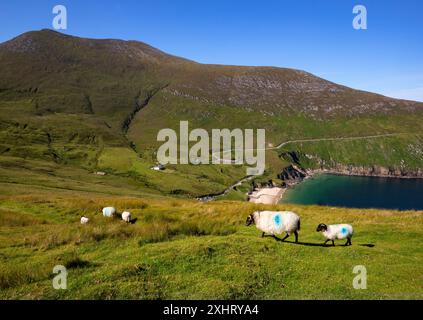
column 267, row 195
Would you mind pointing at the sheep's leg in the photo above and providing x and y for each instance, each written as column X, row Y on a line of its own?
column 262, row 235
column 296, row 236
column 333, row 243
column 326, row 242
column 348, row 242
column 287, row 235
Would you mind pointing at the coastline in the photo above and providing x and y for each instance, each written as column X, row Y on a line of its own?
column 295, row 175
column 275, row 194
column 311, row 173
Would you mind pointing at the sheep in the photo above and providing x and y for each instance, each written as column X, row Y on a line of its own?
column 109, row 212
column 126, row 216
column 274, row 222
column 336, row 231
column 84, row 220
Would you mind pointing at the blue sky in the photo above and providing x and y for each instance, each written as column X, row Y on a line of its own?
column 312, row 35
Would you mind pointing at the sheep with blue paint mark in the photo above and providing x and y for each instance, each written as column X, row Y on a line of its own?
column 275, row 223
column 109, row 212
column 336, row 232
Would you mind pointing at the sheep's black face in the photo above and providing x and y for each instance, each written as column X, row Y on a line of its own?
column 250, row 220
column 321, row 227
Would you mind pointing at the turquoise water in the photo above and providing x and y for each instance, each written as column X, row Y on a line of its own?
column 358, row 192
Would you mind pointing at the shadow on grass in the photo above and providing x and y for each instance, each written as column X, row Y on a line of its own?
column 310, row 244
column 76, row 263
column 119, row 217
column 307, row 244
column 368, row 245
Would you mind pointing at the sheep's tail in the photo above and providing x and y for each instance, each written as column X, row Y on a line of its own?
column 298, row 225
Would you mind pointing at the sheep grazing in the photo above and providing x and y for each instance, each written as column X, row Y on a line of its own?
column 336, row 231
column 84, row 220
column 109, row 212
column 126, row 216
column 275, row 223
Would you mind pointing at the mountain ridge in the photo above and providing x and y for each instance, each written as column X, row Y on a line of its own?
column 138, row 42
column 263, row 82
column 98, row 104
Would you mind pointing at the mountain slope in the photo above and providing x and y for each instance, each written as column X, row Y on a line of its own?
column 45, row 62
column 88, row 103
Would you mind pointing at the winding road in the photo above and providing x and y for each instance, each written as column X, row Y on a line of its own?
column 247, row 178
column 303, row 140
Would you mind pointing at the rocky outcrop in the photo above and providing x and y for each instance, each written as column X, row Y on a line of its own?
column 292, row 173
column 292, row 156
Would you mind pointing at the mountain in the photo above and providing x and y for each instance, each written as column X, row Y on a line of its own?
column 46, row 62
column 98, row 105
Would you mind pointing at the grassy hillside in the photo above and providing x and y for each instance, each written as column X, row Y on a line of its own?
column 70, row 107
column 180, row 249
column 400, row 151
column 86, row 104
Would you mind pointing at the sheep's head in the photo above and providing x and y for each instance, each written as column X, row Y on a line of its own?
column 250, row 220
column 321, row 227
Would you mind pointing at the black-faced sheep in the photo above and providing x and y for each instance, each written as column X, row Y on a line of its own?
column 336, row 231
column 275, row 223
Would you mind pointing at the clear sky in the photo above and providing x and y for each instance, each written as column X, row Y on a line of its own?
column 312, row 35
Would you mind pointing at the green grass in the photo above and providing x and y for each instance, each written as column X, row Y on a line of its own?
column 180, row 249
column 403, row 151
column 176, row 179
column 63, row 111
column 66, row 101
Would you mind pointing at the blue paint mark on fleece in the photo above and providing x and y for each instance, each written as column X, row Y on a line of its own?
column 344, row 231
column 277, row 219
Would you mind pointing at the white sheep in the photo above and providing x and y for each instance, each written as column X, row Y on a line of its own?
column 109, row 212
column 275, row 223
column 126, row 216
column 84, row 220
column 336, row 231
